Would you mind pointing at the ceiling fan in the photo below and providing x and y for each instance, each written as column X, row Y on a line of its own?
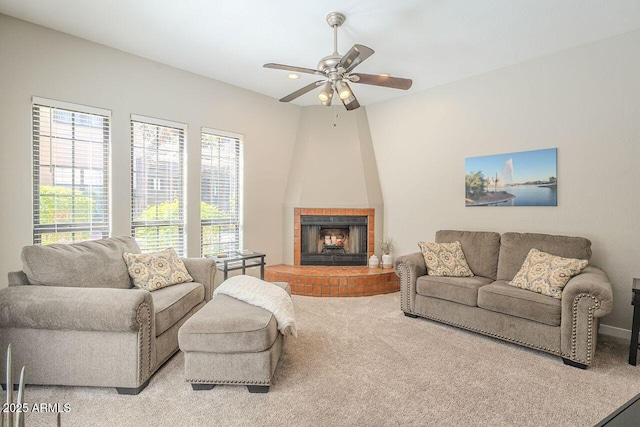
column 337, row 72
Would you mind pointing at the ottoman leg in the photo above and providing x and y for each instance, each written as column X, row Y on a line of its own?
column 258, row 388
column 202, row 386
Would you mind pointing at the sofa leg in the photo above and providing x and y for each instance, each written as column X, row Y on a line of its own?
column 133, row 391
column 15, row 386
column 413, row 316
column 570, row 362
column 258, row 388
column 197, row 386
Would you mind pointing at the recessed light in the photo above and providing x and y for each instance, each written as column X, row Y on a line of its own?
column 385, row 75
column 293, row 76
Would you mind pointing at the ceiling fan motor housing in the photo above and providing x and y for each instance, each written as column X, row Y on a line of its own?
column 329, row 63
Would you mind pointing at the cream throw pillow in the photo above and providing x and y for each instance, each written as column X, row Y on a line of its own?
column 156, row 270
column 547, row 274
column 445, row 259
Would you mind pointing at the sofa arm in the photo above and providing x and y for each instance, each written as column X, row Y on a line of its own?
column 586, row 297
column 409, row 268
column 203, row 270
column 76, row 309
column 593, row 282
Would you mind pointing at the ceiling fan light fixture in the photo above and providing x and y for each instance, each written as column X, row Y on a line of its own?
column 343, row 89
column 349, row 99
column 327, row 103
column 326, row 93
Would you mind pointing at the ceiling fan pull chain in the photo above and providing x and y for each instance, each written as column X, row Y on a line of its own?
column 335, row 118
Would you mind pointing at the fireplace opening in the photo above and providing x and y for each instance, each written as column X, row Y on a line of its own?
column 333, row 240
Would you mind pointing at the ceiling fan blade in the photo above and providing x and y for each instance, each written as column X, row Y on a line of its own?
column 377, row 80
column 301, row 91
column 292, row 68
column 355, row 56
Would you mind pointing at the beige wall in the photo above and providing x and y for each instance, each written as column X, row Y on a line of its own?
column 332, row 167
column 46, row 63
column 584, row 101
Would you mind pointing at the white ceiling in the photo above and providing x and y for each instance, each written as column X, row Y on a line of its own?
column 430, row 41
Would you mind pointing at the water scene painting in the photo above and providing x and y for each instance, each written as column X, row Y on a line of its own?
column 526, row 178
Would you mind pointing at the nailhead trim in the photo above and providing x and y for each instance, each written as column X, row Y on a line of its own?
column 491, row 334
column 241, row 382
column 405, row 281
column 143, row 317
column 403, row 271
column 574, row 327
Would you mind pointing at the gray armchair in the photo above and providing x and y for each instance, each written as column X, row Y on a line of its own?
column 82, row 323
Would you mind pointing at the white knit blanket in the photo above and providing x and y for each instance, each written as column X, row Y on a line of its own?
column 262, row 294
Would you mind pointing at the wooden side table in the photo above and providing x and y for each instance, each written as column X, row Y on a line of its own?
column 635, row 329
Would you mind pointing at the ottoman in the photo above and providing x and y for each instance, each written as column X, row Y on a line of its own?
column 231, row 342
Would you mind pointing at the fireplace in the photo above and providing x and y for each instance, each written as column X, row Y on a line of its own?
column 333, row 240
column 338, row 237
column 334, row 280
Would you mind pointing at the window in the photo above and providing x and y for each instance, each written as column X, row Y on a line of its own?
column 157, row 184
column 220, row 192
column 70, row 172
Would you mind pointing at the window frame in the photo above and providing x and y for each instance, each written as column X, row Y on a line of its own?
column 240, row 186
column 40, row 229
column 182, row 225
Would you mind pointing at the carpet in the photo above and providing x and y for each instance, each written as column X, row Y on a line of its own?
column 360, row 361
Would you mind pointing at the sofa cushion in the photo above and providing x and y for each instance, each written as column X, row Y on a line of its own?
column 445, row 259
column 547, row 274
column 228, row 325
column 504, row 298
column 480, row 249
column 156, row 270
column 91, row 264
column 514, row 248
column 170, row 304
column 463, row 290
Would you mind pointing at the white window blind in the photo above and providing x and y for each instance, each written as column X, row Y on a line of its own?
column 220, row 192
column 157, row 184
column 70, row 172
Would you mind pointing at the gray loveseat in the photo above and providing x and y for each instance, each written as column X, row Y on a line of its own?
column 73, row 318
column 487, row 304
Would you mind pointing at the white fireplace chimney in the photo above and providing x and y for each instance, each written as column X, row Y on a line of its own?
column 332, row 167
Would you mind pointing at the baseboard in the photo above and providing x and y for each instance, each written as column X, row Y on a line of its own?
column 615, row 332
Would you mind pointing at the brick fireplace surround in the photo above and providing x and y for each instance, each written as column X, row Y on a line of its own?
column 334, row 281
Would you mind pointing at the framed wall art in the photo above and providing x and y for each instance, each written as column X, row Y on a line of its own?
column 525, row 178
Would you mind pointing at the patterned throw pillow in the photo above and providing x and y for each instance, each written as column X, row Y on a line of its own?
column 445, row 259
column 156, row 270
column 547, row 274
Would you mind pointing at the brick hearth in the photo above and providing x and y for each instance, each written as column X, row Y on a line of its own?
column 327, row 281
